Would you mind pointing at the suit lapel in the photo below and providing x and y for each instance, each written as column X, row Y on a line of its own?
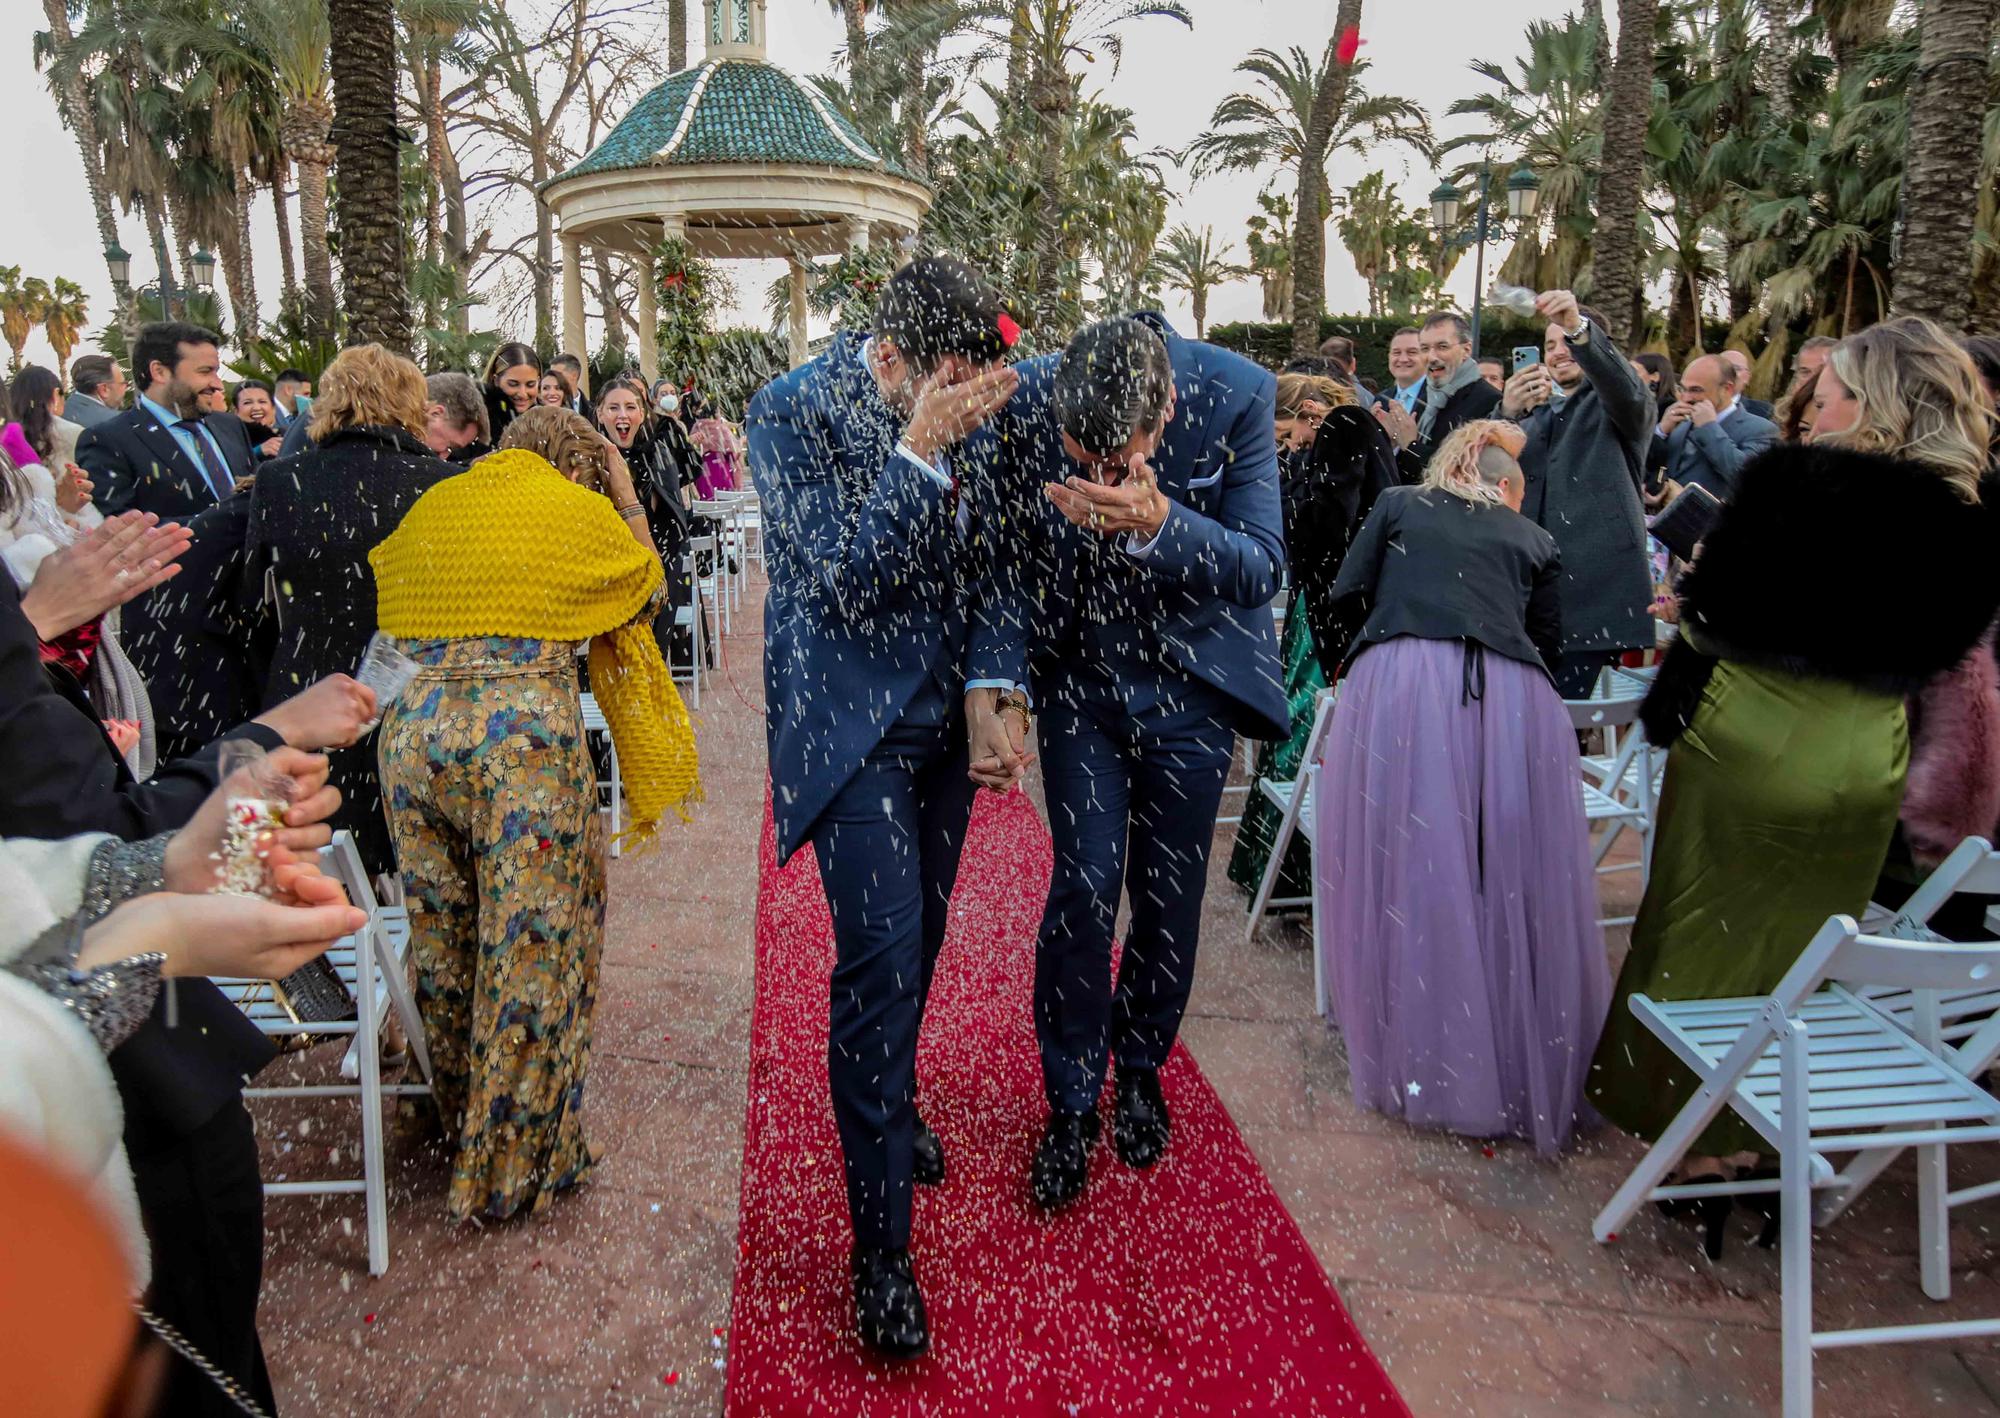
column 166, row 451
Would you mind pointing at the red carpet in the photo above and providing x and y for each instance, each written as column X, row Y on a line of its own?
column 1181, row 1291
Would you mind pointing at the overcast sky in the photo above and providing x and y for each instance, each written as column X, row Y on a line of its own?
column 1171, row 79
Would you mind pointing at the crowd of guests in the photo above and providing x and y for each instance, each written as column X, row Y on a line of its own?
column 1468, row 551
column 203, row 569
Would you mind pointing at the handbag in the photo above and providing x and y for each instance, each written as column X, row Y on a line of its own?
column 1686, row 520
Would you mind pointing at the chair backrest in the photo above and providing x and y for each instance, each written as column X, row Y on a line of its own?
column 1913, row 964
column 339, row 860
column 1973, row 866
column 1612, row 713
column 1322, row 721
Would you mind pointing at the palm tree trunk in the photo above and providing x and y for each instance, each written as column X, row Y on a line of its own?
column 1200, row 298
column 237, row 266
column 156, row 232
column 313, row 253
column 368, row 149
column 1051, row 101
column 1628, row 105
column 1934, row 270
column 73, row 102
column 1019, row 69
column 915, row 111
column 1309, row 223
column 677, row 35
column 855, row 13
column 281, row 209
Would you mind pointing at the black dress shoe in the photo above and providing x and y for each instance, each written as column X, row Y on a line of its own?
column 1062, row 1162
column 888, row 1307
column 927, row 1157
column 1140, row 1125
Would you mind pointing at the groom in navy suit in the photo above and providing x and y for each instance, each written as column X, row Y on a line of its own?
column 875, row 471
column 1133, row 597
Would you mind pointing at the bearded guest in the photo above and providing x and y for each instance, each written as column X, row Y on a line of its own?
column 1454, row 393
column 168, row 454
column 1588, row 418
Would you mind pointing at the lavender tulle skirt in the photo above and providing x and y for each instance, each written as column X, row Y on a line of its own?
column 1467, row 968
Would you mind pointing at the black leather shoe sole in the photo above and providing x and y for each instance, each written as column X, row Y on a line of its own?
column 889, row 1309
column 1062, row 1169
column 1141, row 1129
column 927, row 1158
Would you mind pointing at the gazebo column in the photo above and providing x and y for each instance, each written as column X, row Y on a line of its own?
column 856, row 233
column 649, row 318
column 799, row 272
column 572, row 298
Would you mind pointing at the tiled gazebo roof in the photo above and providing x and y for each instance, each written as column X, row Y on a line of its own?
column 733, row 110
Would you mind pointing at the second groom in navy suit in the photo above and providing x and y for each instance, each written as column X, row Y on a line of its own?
column 875, row 475
column 1133, row 596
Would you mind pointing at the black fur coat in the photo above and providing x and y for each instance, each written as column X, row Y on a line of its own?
column 1845, row 565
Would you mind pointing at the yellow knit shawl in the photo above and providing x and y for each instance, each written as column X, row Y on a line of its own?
column 511, row 547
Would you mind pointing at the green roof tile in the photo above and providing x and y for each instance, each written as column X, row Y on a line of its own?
column 747, row 112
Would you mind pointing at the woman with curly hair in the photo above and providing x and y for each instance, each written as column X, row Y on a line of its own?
column 1468, row 970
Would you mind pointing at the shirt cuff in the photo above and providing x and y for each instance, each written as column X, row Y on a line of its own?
column 1139, row 550
column 1005, row 686
column 940, row 478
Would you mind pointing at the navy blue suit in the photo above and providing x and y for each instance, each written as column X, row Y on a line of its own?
column 873, row 564
column 1144, row 669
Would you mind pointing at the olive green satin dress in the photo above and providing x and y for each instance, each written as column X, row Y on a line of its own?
column 1777, row 810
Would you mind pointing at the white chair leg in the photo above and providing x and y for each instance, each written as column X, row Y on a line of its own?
column 1795, row 1190
column 617, row 800
column 1933, row 1222
column 1701, row 1110
column 373, row 1164
column 405, row 1006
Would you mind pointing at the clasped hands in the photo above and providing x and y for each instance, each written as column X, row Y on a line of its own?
column 998, row 741
column 1130, row 503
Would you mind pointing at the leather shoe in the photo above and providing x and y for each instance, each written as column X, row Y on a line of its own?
column 888, row 1307
column 1140, row 1126
column 1062, row 1161
column 927, row 1157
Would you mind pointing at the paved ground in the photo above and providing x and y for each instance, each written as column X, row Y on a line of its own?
column 1474, row 1277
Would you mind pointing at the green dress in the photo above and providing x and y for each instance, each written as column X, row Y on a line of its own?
column 1777, row 810
column 1259, row 828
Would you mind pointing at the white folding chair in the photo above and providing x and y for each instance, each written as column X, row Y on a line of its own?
column 372, row 965
column 611, row 790
column 716, row 583
column 1622, row 798
column 1968, row 1020
column 689, row 615
column 1294, row 802
column 1818, row 1071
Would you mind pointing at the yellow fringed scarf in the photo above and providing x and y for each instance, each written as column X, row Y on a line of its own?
column 511, row 547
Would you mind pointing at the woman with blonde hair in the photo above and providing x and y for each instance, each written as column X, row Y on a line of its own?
column 489, row 583
column 1783, row 698
column 1459, row 902
column 1303, row 403
column 312, row 520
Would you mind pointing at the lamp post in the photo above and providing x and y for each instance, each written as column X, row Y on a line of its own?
column 1523, row 194
column 118, row 261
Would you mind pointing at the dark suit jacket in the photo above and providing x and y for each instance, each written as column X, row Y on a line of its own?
column 1714, row 456
column 1213, row 569
column 870, row 575
column 1583, row 462
column 137, row 463
column 88, row 410
column 60, row 776
column 1477, row 400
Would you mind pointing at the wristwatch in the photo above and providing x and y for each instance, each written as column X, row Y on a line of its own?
column 1015, row 700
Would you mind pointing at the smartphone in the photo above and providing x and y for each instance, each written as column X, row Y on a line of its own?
column 1525, row 355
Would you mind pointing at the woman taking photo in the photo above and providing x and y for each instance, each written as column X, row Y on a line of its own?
column 1783, row 699
column 513, row 381
column 490, row 582
column 1468, row 971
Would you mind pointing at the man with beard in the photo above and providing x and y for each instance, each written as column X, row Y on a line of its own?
column 1454, row 393
column 167, row 455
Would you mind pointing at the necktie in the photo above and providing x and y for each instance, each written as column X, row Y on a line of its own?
column 219, row 481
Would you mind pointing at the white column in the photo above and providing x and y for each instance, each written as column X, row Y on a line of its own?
column 857, row 235
column 799, row 272
column 649, row 319
column 572, row 297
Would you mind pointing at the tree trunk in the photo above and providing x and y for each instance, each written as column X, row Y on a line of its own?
column 238, row 266
column 367, row 151
column 855, row 13
column 1199, row 296
column 915, row 111
column 545, row 256
column 677, row 35
column 281, row 209
column 1051, row 100
column 1628, row 104
column 1309, row 228
column 306, row 124
column 1020, row 68
column 1934, row 268
column 156, row 233
column 73, row 103
column 1853, row 26
column 1593, row 13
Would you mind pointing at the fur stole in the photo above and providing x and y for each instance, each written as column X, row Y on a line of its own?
column 1837, row 564
column 1954, row 785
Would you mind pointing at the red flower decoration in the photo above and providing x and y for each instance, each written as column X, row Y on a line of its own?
column 1010, row 333
column 1349, row 46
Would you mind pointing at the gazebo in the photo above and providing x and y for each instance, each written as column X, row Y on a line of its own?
column 741, row 160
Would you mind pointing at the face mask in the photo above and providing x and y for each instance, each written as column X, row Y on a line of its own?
column 669, row 403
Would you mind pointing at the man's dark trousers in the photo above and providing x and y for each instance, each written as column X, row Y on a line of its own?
column 888, row 849
column 1123, row 746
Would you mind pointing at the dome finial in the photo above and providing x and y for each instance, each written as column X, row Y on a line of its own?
column 735, row 29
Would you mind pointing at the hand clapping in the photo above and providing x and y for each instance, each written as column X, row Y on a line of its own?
column 1397, row 422
column 124, row 558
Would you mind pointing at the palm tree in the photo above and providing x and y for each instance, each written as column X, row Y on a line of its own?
column 1369, row 214
column 1628, row 105
column 1252, row 132
column 1269, row 239
column 294, row 38
column 1191, row 261
column 1309, row 231
column 369, row 150
column 22, row 306
column 677, row 35
column 63, row 318
column 1940, row 208
column 78, row 112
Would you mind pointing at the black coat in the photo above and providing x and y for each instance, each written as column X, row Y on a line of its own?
column 1440, row 567
column 61, row 776
column 136, row 463
column 306, row 577
column 190, row 639
column 1477, row 400
column 1779, row 582
column 1350, row 464
column 499, row 411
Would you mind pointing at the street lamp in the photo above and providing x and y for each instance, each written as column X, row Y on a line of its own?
column 203, row 266
column 119, row 261
column 1523, row 194
column 1444, row 206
